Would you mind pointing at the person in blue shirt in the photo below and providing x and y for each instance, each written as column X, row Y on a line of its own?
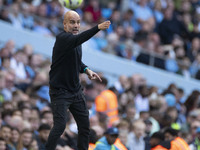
column 108, row 140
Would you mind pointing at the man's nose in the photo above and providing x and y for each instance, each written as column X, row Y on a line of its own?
column 76, row 24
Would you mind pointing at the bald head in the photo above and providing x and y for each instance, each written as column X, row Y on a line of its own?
column 71, row 22
column 70, row 14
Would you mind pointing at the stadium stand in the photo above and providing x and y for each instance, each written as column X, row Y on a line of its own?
column 151, row 71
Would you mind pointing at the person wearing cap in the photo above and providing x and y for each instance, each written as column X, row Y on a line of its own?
column 195, row 145
column 108, row 140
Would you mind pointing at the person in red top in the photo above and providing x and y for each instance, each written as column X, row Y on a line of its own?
column 94, row 9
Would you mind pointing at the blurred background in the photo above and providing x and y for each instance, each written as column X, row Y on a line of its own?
column 149, row 59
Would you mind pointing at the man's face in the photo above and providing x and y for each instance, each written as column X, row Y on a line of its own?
column 111, row 139
column 168, row 137
column 154, row 141
column 44, row 135
column 48, row 118
column 15, row 135
column 139, row 131
column 6, row 133
column 26, row 138
column 2, row 145
column 72, row 24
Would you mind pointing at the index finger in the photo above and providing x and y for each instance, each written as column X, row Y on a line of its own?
column 108, row 21
column 98, row 77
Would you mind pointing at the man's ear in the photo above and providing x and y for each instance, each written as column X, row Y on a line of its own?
column 64, row 24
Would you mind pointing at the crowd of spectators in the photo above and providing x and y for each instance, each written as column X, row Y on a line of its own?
column 26, row 116
column 161, row 33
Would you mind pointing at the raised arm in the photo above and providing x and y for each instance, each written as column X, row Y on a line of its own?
column 78, row 39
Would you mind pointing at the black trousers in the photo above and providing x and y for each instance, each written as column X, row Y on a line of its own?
column 61, row 100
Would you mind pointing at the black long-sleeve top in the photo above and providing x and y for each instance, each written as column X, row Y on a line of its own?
column 66, row 60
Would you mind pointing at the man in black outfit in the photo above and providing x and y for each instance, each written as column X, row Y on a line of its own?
column 65, row 88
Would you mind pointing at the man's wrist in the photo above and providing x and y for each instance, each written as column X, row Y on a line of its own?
column 85, row 69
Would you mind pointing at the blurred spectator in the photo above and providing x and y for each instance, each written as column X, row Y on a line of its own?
column 176, row 141
column 99, row 130
column 90, row 105
column 10, row 47
column 141, row 100
column 15, row 134
column 5, row 133
column 157, row 142
column 130, row 20
column 130, row 113
column 26, row 113
column 135, row 137
column 119, row 144
column 4, row 15
column 170, row 63
column 195, row 66
column 94, row 8
column 42, row 10
column 25, row 139
column 113, row 44
column 195, row 144
column 170, row 26
column 115, row 20
column 107, row 141
column 2, row 144
column 124, row 128
column 184, row 68
column 26, row 18
column 92, row 139
column 123, row 101
column 34, row 145
column 158, row 14
column 17, row 65
column 197, row 76
column 107, row 103
column 121, row 84
column 47, row 118
column 15, row 16
column 194, row 50
column 44, row 131
column 41, row 28
column 5, row 93
column 144, row 14
column 192, row 102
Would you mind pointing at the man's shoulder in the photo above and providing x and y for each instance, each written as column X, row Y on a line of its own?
column 166, row 144
column 62, row 34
